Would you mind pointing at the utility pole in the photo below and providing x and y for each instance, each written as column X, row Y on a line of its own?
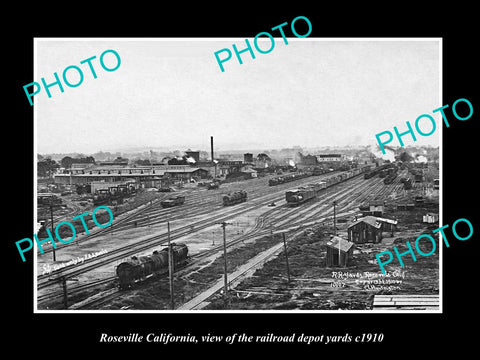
column 286, row 256
column 225, row 284
column 170, row 268
column 335, row 229
column 51, row 221
column 62, row 279
column 334, row 218
column 65, row 296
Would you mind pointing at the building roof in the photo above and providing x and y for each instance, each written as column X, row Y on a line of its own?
column 389, row 221
column 329, row 155
column 337, row 241
column 104, row 175
column 186, row 170
column 370, row 220
column 376, row 203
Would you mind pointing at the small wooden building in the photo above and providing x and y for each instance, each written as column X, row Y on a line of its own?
column 388, row 225
column 373, row 209
column 337, row 246
column 366, row 229
column 430, row 218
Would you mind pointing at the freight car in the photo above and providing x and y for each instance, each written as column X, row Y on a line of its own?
column 310, row 191
column 318, row 171
column 288, row 178
column 138, row 268
column 378, row 170
column 235, row 198
column 174, row 201
column 114, row 194
column 48, row 199
column 300, row 195
column 101, row 196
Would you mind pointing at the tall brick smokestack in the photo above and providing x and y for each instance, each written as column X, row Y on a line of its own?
column 211, row 146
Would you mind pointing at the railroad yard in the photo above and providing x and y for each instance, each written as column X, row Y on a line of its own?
column 258, row 218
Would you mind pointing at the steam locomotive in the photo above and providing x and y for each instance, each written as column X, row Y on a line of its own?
column 140, row 268
column 236, row 197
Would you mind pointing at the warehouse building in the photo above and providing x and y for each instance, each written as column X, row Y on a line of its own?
column 147, row 176
column 330, row 157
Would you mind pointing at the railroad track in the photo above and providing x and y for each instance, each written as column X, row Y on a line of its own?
column 156, row 240
column 69, row 272
column 74, row 289
column 125, row 252
column 176, row 213
column 200, row 301
column 196, row 205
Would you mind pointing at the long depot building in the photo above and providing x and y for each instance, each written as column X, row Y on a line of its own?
column 148, row 176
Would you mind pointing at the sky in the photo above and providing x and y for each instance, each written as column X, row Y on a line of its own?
column 171, row 93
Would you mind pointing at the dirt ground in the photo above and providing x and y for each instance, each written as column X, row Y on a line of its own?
column 313, row 286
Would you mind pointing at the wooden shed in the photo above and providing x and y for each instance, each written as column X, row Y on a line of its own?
column 430, row 218
column 366, row 229
column 337, row 246
column 375, row 208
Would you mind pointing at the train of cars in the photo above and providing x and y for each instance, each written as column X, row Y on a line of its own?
column 236, row 197
column 48, row 199
column 305, row 193
column 139, row 268
column 288, row 178
column 379, row 170
column 113, row 195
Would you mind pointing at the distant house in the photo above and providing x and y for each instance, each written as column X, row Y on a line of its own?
column 373, row 208
column 330, row 157
column 366, row 229
column 339, row 252
column 309, row 160
column 430, row 218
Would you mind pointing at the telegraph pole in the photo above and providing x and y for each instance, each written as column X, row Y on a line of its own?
column 170, row 268
column 65, row 295
column 335, row 229
column 286, row 256
column 334, row 218
column 51, row 221
column 225, row 280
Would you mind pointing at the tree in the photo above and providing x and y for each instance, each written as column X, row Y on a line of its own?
column 142, row 162
column 263, row 157
column 405, row 157
column 176, row 161
column 46, row 167
column 66, row 162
